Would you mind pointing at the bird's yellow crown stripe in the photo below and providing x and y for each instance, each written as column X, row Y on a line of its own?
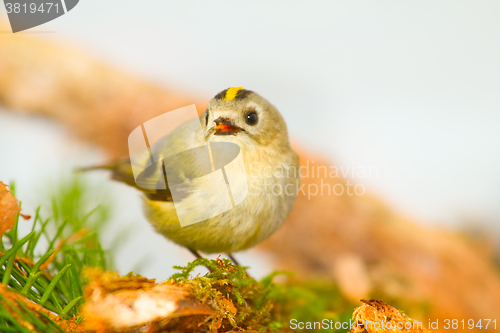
column 231, row 93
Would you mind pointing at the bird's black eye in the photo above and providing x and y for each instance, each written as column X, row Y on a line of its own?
column 251, row 118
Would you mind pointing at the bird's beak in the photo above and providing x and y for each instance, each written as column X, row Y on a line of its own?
column 225, row 127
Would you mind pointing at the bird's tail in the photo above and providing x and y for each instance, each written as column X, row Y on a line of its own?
column 121, row 170
column 96, row 167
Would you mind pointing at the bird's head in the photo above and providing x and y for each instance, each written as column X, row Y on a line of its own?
column 245, row 118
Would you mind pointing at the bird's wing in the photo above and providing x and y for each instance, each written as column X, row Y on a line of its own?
column 172, row 157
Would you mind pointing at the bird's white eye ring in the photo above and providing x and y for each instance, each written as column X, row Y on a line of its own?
column 251, row 118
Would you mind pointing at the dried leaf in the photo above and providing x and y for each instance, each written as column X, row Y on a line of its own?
column 128, row 304
column 9, row 207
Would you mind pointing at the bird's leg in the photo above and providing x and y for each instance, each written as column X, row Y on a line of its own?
column 233, row 259
column 198, row 256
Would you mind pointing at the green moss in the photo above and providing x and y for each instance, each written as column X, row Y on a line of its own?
column 261, row 306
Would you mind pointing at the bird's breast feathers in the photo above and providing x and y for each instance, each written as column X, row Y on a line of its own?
column 272, row 183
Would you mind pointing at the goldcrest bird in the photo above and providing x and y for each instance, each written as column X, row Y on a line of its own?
column 242, row 117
